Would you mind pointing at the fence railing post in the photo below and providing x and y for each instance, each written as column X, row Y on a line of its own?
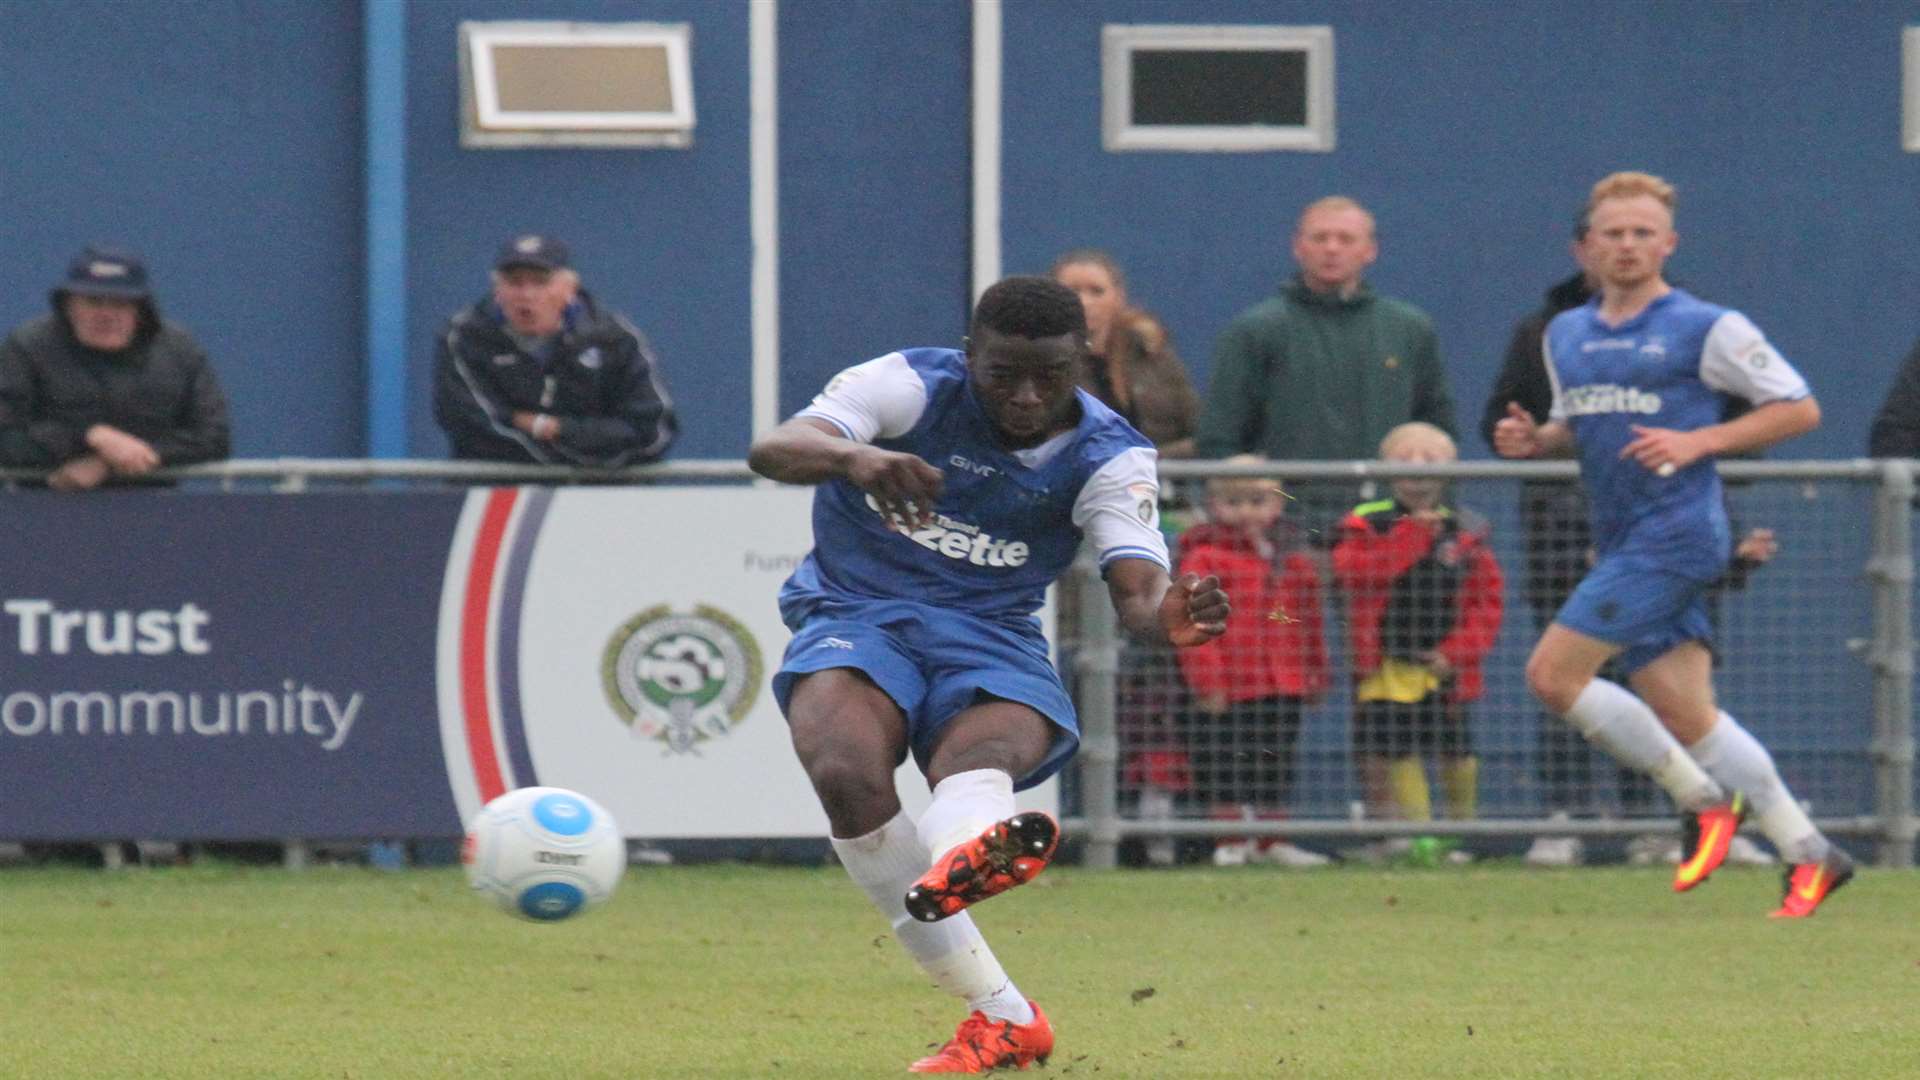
column 1891, row 574
column 1097, row 663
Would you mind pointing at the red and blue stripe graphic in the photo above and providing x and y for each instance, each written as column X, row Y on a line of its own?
column 494, row 594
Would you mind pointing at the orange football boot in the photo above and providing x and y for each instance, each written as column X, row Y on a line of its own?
column 983, row 1044
column 1009, row 853
column 1705, row 835
column 1810, row 883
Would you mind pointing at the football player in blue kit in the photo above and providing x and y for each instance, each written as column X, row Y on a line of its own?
column 1638, row 376
column 953, row 487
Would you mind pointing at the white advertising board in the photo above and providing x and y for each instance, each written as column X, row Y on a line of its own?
column 620, row 642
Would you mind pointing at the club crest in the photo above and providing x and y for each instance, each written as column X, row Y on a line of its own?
column 682, row 679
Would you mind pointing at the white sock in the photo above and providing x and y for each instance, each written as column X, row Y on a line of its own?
column 1735, row 758
column 885, row 863
column 1621, row 724
column 964, row 804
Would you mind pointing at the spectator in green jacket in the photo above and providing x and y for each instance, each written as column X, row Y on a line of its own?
column 1322, row 371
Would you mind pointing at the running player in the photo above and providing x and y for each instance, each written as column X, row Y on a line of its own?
column 953, row 488
column 1638, row 373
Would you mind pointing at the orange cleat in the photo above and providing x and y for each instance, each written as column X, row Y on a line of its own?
column 1810, row 883
column 983, row 1044
column 1009, row 853
column 1705, row 835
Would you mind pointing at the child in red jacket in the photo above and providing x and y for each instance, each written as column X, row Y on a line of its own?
column 1250, row 685
column 1424, row 598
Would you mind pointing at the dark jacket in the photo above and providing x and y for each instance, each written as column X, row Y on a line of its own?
column 602, row 383
column 1896, row 427
column 160, row 389
column 1553, row 513
column 1308, row 376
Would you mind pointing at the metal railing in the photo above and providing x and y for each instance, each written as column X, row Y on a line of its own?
column 1883, row 578
column 1788, row 621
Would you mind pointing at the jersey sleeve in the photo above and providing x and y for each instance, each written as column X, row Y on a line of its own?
column 1556, row 409
column 1119, row 509
column 1737, row 359
column 880, row 399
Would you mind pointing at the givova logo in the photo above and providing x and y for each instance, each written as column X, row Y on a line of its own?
column 682, row 679
column 1596, row 398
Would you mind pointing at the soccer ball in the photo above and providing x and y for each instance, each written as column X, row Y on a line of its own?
column 544, row 853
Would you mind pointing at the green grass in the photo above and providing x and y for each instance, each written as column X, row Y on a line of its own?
column 732, row 972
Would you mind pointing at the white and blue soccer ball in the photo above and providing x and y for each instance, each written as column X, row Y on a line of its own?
column 544, row 853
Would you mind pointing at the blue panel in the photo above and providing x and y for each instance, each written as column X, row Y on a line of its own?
column 661, row 235
column 1474, row 137
column 874, row 183
column 223, row 144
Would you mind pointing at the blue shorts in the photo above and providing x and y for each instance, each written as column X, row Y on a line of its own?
column 1646, row 609
column 933, row 662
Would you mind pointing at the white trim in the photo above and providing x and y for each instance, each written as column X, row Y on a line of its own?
column 1910, row 87
column 1118, row 132
column 763, row 196
column 987, row 60
column 485, row 124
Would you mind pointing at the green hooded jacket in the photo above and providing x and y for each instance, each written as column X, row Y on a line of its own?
column 1309, row 376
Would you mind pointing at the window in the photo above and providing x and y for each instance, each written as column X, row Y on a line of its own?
column 575, row 84
column 1217, row 87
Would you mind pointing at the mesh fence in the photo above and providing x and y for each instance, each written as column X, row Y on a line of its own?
column 1377, row 667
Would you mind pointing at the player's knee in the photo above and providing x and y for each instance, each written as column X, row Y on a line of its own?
column 1553, row 685
column 857, row 796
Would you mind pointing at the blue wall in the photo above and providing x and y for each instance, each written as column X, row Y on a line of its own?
column 661, row 235
column 875, row 144
column 1473, row 136
column 227, row 145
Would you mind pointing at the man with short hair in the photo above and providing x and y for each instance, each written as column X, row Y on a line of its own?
column 1638, row 373
column 1326, row 368
column 953, row 487
column 103, row 389
column 540, row 373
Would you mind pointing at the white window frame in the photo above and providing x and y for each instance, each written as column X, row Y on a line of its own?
column 483, row 123
column 1910, row 87
column 1118, row 43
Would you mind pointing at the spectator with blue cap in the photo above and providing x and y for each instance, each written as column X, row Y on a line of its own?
column 102, row 389
column 540, row 373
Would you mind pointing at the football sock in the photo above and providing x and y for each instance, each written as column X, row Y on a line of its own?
column 1621, row 724
column 1461, row 776
column 885, row 863
column 1407, row 779
column 964, row 804
column 1734, row 757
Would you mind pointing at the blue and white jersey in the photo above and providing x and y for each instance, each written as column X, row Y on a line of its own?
column 1008, row 521
column 1667, row 367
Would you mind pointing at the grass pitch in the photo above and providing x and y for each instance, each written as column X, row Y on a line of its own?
column 735, row 972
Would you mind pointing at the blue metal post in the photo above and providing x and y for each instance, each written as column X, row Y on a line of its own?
column 386, row 163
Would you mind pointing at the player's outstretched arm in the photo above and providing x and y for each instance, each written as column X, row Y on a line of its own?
column 1153, row 608
column 806, row 450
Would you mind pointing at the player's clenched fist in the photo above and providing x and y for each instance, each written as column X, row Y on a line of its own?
column 1516, row 435
column 1194, row 611
column 904, row 485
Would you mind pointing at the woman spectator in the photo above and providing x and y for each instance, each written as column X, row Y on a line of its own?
column 1132, row 366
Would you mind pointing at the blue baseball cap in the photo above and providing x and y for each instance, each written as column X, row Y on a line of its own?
column 99, row 271
column 532, row 249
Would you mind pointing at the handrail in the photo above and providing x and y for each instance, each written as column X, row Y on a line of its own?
column 297, row 469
